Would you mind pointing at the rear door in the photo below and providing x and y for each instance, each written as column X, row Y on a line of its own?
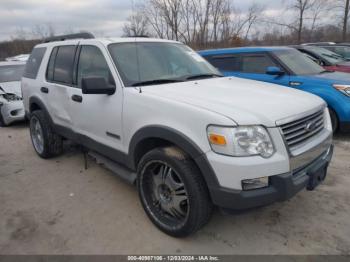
column 32, row 76
column 59, row 81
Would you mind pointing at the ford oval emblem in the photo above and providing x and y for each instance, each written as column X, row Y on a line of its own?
column 310, row 126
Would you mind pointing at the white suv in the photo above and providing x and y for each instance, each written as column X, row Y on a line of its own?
column 160, row 116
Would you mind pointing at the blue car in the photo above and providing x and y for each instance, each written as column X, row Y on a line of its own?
column 288, row 67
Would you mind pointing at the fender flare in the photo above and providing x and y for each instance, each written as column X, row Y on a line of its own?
column 36, row 100
column 182, row 141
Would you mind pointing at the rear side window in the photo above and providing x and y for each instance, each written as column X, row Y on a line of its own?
column 256, row 64
column 225, row 63
column 33, row 63
column 63, row 66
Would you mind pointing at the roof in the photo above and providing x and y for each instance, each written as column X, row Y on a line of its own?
column 11, row 63
column 242, row 50
column 105, row 41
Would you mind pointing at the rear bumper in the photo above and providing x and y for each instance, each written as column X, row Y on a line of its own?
column 281, row 187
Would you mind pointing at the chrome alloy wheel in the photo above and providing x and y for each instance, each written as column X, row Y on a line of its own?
column 167, row 196
column 36, row 134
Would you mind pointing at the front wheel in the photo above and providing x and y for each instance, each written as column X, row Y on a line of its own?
column 334, row 120
column 173, row 192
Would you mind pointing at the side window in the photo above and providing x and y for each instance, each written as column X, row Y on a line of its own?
column 63, row 69
column 225, row 63
column 50, row 67
column 34, row 62
column 256, row 64
column 92, row 63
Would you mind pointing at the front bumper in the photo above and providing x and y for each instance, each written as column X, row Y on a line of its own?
column 12, row 111
column 281, row 187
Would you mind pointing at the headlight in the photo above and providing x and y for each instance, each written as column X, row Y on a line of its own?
column 241, row 141
column 345, row 89
column 11, row 97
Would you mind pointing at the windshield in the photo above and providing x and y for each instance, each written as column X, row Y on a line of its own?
column 298, row 63
column 340, row 50
column 157, row 62
column 328, row 55
column 11, row 73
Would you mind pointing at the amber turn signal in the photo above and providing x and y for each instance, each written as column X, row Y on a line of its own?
column 217, row 139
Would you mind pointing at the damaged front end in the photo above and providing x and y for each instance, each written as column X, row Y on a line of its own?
column 11, row 108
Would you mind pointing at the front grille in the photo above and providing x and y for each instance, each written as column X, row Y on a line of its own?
column 299, row 131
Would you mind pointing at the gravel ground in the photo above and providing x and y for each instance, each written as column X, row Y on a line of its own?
column 56, row 207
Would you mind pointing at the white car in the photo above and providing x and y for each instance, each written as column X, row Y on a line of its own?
column 160, row 116
column 11, row 104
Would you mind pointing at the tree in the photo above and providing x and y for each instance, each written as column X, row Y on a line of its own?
column 301, row 6
column 42, row 31
column 318, row 10
column 345, row 5
column 137, row 24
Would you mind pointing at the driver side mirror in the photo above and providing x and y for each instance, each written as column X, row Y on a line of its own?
column 97, row 85
column 273, row 70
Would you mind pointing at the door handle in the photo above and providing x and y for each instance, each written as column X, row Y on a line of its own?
column 77, row 98
column 44, row 90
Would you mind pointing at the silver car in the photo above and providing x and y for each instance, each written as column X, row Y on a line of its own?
column 11, row 104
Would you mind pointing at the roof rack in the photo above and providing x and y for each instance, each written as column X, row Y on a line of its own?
column 70, row 36
column 137, row 36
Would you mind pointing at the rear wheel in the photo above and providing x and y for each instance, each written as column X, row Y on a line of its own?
column 173, row 192
column 45, row 141
column 334, row 120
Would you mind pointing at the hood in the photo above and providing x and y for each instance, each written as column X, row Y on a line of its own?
column 332, row 78
column 345, row 63
column 11, row 87
column 246, row 102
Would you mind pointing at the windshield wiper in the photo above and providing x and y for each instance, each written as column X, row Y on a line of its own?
column 202, row 76
column 156, row 82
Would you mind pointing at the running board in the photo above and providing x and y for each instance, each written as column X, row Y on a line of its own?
column 114, row 167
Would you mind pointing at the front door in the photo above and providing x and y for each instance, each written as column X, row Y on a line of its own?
column 254, row 66
column 97, row 117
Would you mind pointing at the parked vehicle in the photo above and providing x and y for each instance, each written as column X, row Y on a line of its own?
column 342, row 49
column 326, row 58
column 160, row 116
column 22, row 57
column 288, row 67
column 11, row 104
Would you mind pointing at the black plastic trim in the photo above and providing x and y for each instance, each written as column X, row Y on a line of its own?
column 180, row 140
column 37, row 101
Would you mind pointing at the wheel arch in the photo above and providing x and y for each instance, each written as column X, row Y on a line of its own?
column 150, row 137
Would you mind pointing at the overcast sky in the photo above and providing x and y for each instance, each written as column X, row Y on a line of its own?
column 102, row 17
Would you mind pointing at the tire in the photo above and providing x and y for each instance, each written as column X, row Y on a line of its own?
column 175, row 197
column 2, row 122
column 51, row 144
column 334, row 120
